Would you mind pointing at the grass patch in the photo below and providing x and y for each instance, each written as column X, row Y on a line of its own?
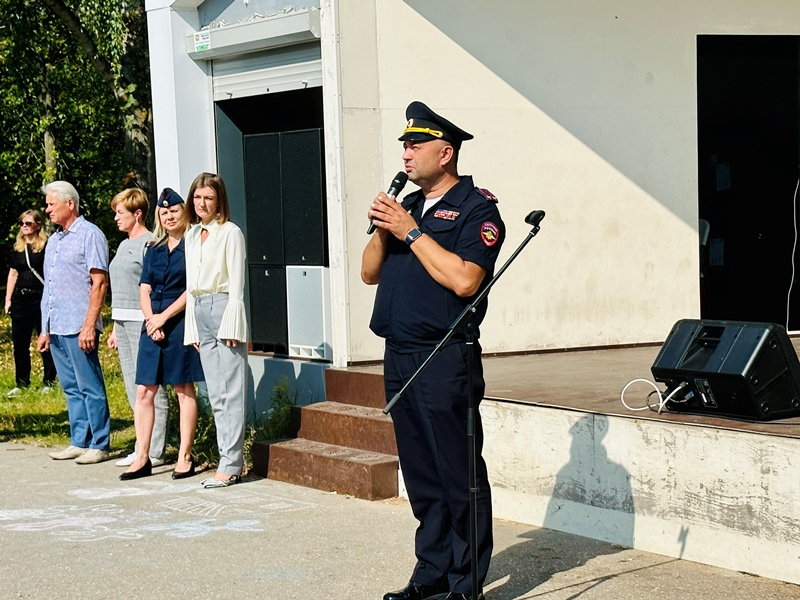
column 275, row 423
column 40, row 417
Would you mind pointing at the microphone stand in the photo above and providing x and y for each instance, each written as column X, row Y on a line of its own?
column 465, row 323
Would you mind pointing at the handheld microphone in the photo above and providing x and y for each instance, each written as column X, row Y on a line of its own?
column 397, row 185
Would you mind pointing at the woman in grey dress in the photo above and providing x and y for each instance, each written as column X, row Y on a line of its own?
column 130, row 209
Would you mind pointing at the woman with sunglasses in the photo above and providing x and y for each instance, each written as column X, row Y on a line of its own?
column 23, row 298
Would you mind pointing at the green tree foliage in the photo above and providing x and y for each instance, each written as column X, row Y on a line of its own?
column 74, row 103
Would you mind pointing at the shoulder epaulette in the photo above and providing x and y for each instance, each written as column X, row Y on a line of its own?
column 487, row 194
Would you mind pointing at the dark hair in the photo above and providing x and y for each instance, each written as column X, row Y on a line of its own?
column 216, row 183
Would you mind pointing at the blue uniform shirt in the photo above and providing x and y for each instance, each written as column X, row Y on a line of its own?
column 412, row 311
column 165, row 273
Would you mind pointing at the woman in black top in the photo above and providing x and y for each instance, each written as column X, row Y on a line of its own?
column 24, row 296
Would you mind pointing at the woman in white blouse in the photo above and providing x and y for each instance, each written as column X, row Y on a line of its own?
column 215, row 317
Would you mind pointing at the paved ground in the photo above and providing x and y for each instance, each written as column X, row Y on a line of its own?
column 72, row 531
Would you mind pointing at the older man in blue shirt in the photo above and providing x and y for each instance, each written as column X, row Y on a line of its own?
column 76, row 281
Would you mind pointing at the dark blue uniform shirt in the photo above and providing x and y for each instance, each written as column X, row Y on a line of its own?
column 166, row 361
column 412, row 311
column 165, row 273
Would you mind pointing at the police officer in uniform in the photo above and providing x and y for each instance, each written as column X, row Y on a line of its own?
column 430, row 255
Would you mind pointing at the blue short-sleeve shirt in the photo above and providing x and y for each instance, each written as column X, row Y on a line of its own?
column 68, row 258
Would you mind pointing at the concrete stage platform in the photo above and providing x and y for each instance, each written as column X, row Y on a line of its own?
column 564, row 453
column 591, row 381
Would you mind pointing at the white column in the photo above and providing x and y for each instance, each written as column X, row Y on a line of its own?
column 334, row 172
column 183, row 107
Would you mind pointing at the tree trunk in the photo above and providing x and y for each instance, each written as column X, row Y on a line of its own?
column 50, row 153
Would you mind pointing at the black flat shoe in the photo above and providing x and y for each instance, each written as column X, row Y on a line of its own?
column 184, row 474
column 145, row 471
column 415, row 591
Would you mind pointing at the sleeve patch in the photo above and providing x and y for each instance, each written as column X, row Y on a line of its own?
column 490, row 233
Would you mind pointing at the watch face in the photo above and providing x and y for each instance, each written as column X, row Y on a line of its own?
column 413, row 235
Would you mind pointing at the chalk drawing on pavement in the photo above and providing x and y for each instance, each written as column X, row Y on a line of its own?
column 147, row 489
column 203, row 527
column 239, row 511
column 261, row 502
column 194, row 506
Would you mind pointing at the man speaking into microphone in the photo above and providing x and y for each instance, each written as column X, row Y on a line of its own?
column 430, row 255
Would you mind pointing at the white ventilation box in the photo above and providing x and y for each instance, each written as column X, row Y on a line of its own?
column 308, row 306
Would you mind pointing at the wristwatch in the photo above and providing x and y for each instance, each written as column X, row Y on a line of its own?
column 413, row 235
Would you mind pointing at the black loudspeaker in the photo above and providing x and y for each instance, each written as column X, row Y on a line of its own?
column 285, row 189
column 303, row 183
column 262, row 183
column 730, row 368
column 269, row 324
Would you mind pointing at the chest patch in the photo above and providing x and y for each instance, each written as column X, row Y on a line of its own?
column 447, row 215
column 489, row 233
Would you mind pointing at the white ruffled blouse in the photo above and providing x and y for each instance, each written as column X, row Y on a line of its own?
column 217, row 266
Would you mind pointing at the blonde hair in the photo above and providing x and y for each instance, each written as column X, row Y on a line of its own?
column 159, row 233
column 41, row 235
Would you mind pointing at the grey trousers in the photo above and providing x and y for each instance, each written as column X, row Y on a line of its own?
column 128, row 335
column 225, row 371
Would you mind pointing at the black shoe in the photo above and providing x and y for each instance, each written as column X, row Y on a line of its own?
column 456, row 596
column 184, row 474
column 145, row 471
column 415, row 591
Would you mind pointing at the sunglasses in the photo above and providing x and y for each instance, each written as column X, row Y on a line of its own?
column 27, row 223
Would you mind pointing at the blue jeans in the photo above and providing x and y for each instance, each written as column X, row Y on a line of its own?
column 82, row 381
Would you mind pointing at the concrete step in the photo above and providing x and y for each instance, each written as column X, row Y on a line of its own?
column 367, row 475
column 357, row 386
column 358, row 427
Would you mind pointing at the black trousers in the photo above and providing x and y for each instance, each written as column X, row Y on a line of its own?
column 26, row 317
column 430, row 423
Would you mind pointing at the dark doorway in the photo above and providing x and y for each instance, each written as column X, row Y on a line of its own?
column 747, row 113
column 270, row 149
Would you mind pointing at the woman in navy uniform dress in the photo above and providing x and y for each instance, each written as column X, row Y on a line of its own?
column 163, row 358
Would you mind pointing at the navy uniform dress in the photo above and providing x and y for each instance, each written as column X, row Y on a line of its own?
column 167, row 361
column 413, row 313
